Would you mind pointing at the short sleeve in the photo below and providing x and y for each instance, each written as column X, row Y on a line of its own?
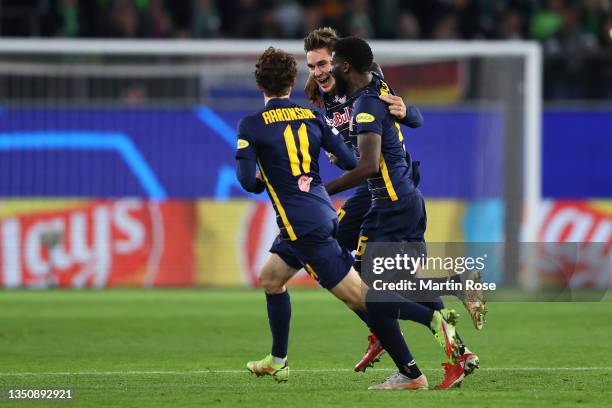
column 368, row 115
column 245, row 148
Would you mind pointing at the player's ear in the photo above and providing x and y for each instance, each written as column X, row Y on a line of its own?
column 345, row 67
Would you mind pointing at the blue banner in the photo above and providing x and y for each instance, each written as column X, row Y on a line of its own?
column 189, row 153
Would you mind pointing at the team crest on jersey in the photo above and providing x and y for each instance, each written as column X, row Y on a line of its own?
column 242, row 143
column 339, row 119
column 364, row 118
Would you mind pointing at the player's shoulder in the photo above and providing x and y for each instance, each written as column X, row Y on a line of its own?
column 381, row 86
column 367, row 98
column 302, row 112
column 249, row 127
column 249, row 120
column 369, row 107
column 315, row 110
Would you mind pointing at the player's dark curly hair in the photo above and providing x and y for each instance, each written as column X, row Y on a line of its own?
column 324, row 37
column 356, row 52
column 275, row 72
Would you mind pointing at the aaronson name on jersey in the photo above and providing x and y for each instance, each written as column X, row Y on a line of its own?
column 286, row 115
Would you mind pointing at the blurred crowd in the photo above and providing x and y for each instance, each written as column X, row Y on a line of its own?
column 571, row 31
column 561, row 23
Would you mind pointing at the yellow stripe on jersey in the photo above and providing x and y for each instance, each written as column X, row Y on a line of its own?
column 279, row 206
column 384, row 90
column 294, row 160
column 304, row 146
column 311, row 271
column 385, row 173
column 399, row 132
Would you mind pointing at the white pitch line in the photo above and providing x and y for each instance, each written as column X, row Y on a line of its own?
column 305, row 370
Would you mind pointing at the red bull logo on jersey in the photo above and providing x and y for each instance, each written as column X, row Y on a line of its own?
column 341, row 118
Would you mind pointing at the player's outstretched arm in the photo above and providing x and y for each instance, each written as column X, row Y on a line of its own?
column 246, row 174
column 369, row 159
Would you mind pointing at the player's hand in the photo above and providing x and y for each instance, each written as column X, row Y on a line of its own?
column 332, row 158
column 258, row 176
column 397, row 107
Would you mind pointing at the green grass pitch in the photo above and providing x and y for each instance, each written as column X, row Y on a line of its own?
column 149, row 348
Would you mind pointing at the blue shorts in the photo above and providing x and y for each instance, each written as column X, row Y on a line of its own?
column 318, row 252
column 351, row 217
column 404, row 220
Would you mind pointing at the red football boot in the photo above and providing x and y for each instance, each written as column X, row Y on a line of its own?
column 371, row 355
column 455, row 373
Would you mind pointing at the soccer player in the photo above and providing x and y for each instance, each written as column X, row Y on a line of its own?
column 322, row 92
column 397, row 212
column 284, row 141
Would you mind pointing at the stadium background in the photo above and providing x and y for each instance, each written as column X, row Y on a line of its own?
column 132, row 192
column 117, row 169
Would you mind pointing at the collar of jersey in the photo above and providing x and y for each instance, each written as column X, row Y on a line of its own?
column 278, row 101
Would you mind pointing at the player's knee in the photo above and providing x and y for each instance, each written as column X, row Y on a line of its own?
column 275, row 274
column 351, row 290
column 357, row 299
column 272, row 284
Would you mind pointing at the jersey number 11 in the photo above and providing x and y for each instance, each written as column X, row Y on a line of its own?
column 292, row 151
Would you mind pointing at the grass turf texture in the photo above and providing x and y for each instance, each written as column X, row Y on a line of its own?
column 189, row 348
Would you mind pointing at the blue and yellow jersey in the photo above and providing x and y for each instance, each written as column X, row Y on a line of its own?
column 338, row 110
column 286, row 140
column 370, row 114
